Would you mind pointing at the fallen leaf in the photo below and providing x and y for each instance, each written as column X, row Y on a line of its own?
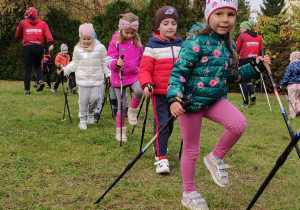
column 233, row 155
column 31, row 114
column 47, row 171
column 231, row 166
column 63, row 119
column 76, row 163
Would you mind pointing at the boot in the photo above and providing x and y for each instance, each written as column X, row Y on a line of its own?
column 124, row 131
column 132, row 116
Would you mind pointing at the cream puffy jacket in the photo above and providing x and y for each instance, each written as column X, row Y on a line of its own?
column 89, row 67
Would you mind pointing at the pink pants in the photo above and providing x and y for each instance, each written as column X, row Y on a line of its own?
column 294, row 93
column 222, row 112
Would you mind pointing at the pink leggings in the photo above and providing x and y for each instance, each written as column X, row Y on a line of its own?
column 222, row 112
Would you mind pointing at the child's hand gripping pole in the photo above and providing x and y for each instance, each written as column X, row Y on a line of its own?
column 129, row 166
column 121, row 77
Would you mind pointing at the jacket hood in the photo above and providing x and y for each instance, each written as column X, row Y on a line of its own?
column 251, row 33
column 198, row 26
column 158, row 38
column 33, row 21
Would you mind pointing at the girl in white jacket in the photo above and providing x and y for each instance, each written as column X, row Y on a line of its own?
column 89, row 64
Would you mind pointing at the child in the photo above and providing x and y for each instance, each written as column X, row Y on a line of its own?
column 291, row 79
column 126, row 42
column 62, row 59
column 158, row 60
column 46, row 68
column 206, row 63
column 89, row 65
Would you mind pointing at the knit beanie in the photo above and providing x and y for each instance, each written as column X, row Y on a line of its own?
column 63, row 47
column 295, row 56
column 86, row 30
column 30, row 12
column 213, row 5
column 246, row 25
column 164, row 13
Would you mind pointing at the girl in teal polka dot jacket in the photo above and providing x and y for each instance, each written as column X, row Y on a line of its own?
column 207, row 62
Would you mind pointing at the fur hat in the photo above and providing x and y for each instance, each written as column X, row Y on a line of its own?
column 164, row 13
column 295, row 56
column 246, row 24
column 86, row 29
column 213, row 5
column 63, row 47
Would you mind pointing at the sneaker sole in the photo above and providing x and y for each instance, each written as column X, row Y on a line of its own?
column 41, row 87
column 208, row 166
column 189, row 207
column 167, row 171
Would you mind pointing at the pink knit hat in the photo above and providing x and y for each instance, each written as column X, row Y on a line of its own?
column 213, row 5
column 295, row 56
column 86, row 30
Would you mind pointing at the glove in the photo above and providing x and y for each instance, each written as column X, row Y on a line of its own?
column 259, row 67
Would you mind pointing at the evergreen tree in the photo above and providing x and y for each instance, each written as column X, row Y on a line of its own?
column 271, row 8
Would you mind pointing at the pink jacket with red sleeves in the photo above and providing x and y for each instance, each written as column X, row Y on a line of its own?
column 33, row 32
column 132, row 60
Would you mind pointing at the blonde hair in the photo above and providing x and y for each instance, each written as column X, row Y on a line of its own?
column 130, row 17
column 228, row 40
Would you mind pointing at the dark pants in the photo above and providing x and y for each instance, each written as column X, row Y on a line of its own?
column 161, row 115
column 47, row 71
column 247, row 87
column 32, row 56
column 72, row 83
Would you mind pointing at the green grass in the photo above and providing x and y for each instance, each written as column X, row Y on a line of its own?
column 33, row 138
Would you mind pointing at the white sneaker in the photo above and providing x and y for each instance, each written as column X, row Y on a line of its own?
column 82, row 125
column 90, row 119
column 162, row 166
column 217, row 170
column 194, row 200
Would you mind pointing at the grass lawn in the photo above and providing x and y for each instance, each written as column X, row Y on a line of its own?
column 47, row 163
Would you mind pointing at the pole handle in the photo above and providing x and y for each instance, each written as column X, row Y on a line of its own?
column 263, row 53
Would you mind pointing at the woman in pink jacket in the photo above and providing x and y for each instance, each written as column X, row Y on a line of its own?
column 126, row 42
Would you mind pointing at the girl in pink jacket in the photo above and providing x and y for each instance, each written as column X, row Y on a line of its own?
column 126, row 42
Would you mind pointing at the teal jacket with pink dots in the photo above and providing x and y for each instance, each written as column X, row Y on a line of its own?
column 204, row 68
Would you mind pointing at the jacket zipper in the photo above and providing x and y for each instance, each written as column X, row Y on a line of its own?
column 172, row 53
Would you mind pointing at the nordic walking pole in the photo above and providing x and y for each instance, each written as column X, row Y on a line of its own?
column 280, row 161
column 105, row 97
column 242, row 92
column 128, row 167
column 262, row 79
column 180, row 151
column 279, row 101
column 121, row 77
column 146, row 114
column 66, row 96
column 289, row 101
column 138, row 115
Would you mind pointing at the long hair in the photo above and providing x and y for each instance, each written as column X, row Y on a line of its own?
column 228, row 40
column 130, row 17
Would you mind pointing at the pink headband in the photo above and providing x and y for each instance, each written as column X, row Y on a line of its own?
column 124, row 25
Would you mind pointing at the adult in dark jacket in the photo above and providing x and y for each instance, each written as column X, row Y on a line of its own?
column 248, row 46
column 33, row 30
